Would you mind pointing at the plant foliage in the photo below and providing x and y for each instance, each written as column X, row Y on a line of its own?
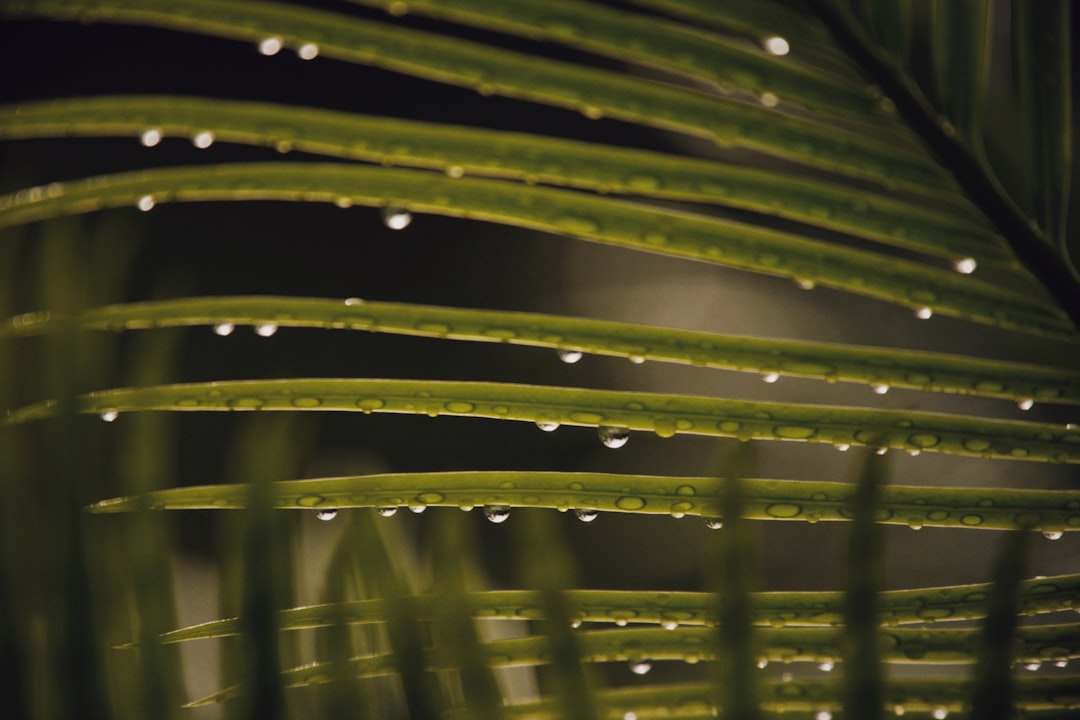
column 841, row 198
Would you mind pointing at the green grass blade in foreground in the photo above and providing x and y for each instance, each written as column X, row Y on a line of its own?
column 493, row 71
column 1053, row 594
column 722, row 62
column 992, row 697
column 612, row 412
column 1050, row 511
column 874, row 366
column 786, row 645
column 579, row 215
column 1042, row 69
column 863, row 673
column 952, row 233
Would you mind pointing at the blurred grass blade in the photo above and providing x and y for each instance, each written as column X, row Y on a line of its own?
column 795, row 609
column 895, row 368
column 1042, row 71
column 596, row 93
column 733, row 556
column 891, row 21
column 993, row 694
column 453, row 549
column 863, row 672
column 550, row 572
column 722, row 62
column 597, row 219
column 692, row 415
column 961, row 34
column 949, row 229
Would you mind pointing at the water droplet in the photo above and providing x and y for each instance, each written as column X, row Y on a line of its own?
column 965, row 266
column 713, row 523
column 769, row 99
column 224, row 328
column 455, row 171
column 636, row 359
column 783, row 510
column 1032, row 666
column 270, row 46
column 940, row 713
column 1048, row 534
column 826, row 666
column 762, row 663
column 203, row 140
column 880, row 388
column 417, row 507
column 823, row 715
column 353, row 301
column 629, row 715
column 621, row 622
column 669, row 624
column 843, row 447
column 1062, row 663
column 586, row 514
column 387, row 510
column 881, row 450
column 613, row 437
column 497, row 513
column 308, row 51
column 109, row 415
column 150, row 137
column 915, row 523
column 898, row 710
column 1025, row 404
column 547, row 425
column 396, row 218
column 327, row 514
column 630, row 502
column 265, row 329
column 570, row 356
column 770, row 377
column 640, row 667
column 805, row 284
column 776, row 45
column 145, row 203
column 924, row 313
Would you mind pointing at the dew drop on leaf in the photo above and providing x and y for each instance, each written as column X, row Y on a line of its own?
column 270, row 46
column 769, row 99
column 326, row 514
column 713, row 523
column 640, row 667
column 109, row 415
column 613, row 437
column 265, row 329
column 224, row 328
column 1032, row 666
column 203, row 140
column 762, row 663
column 924, row 313
column 547, row 425
column 843, row 447
column 586, row 514
column 880, row 388
column 145, row 203
column 965, row 266
column 387, row 510
column 1048, row 534
column 308, row 51
column 497, row 513
column 939, row 713
column 150, row 137
column 776, row 45
column 770, row 377
column 669, row 625
column 826, row 666
column 396, row 218
column 570, row 356
column 1025, row 404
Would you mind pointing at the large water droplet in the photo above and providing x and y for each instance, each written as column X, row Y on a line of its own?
column 1048, row 534
column 308, row 51
column 109, row 415
column 823, row 715
column 150, row 137
column 547, row 425
column 387, row 510
column 965, row 266
column 939, row 713
column 776, row 45
column 326, row 514
column 762, row 663
column 613, row 437
column 769, row 99
column 669, row 624
column 570, row 356
column 826, row 666
column 713, row 523
column 270, row 46
column 265, row 329
column 145, row 203
column 396, row 218
column 497, row 513
column 203, row 140
column 1062, row 663
column 770, row 377
column 1025, row 404
column 224, row 328
column 924, row 313
column 586, row 514
column 640, row 667
column 843, row 447
column 880, row 388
